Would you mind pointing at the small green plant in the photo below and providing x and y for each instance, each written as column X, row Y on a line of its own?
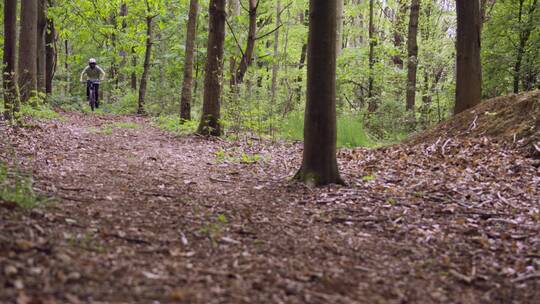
column 17, row 188
column 237, row 157
column 214, row 230
column 369, row 178
column 173, row 123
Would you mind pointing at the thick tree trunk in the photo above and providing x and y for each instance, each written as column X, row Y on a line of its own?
column 40, row 46
column 146, row 65
column 11, row 95
column 275, row 64
column 187, row 86
column 28, row 50
column 247, row 57
column 210, row 124
column 412, row 48
column 319, row 164
column 469, row 66
column 50, row 56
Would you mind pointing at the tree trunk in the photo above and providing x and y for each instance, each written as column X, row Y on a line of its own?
column 50, row 55
column 372, row 43
column 275, row 64
column 146, row 65
column 210, row 124
column 412, row 61
column 469, row 66
column 398, row 33
column 134, row 65
column 66, row 67
column 247, row 57
column 40, row 46
column 9, row 60
column 187, row 87
column 524, row 35
column 27, row 50
column 339, row 27
column 319, row 164
column 123, row 53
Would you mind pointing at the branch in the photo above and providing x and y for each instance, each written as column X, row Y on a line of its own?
column 234, row 36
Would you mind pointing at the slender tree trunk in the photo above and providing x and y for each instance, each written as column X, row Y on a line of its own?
column 28, row 50
column 210, row 124
column 11, row 94
column 247, row 57
column 275, row 64
column 66, row 67
column 134, row 65
column 319, row 164
column 398, row 32
column 412, row 61
column 146, row 65
column 187, row 87
column 339, row 27
column 41, row 45
column 372, row 43
column 524, row 36
column 123, row 53
column 469, row 66
column 50, row 55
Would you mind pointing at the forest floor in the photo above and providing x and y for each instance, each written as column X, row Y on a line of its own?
column 144, row 216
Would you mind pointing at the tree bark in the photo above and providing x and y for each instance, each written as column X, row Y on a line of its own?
column 50, row 55
column 412, row 48
column 247, row 57
column 469, row 66
column 398, row 32
column 275, row 64
column 524, row 36
column 319, row 164
column 146, row 65
column 187, row 87
column 11, row 95
column 28, row 50
column 134, row 65
column 372, row 107
column 339, row 27
column 123, row 53
column 41, row 45
column 210, row 124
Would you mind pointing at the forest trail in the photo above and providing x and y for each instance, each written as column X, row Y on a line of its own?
column 145, row 216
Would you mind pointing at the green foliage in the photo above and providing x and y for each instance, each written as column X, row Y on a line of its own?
column 350, row 130
column 17, row 188
column 173, row 123
column 41, row 111
column 126, row 125
column 237, row 156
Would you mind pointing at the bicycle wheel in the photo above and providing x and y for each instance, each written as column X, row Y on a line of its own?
column 92, row 99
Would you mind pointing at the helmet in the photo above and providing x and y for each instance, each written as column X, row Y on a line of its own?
column 92, row 61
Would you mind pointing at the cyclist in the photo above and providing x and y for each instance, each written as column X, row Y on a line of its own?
column 94, row 74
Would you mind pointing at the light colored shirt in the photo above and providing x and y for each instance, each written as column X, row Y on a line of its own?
column 96, row 73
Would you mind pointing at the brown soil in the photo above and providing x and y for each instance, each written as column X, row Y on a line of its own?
column 513, row 120
column 143, row 216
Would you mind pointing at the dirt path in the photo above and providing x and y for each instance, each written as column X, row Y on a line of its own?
column 147, row 217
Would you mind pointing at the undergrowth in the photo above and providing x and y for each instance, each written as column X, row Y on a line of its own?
column 16, row 187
